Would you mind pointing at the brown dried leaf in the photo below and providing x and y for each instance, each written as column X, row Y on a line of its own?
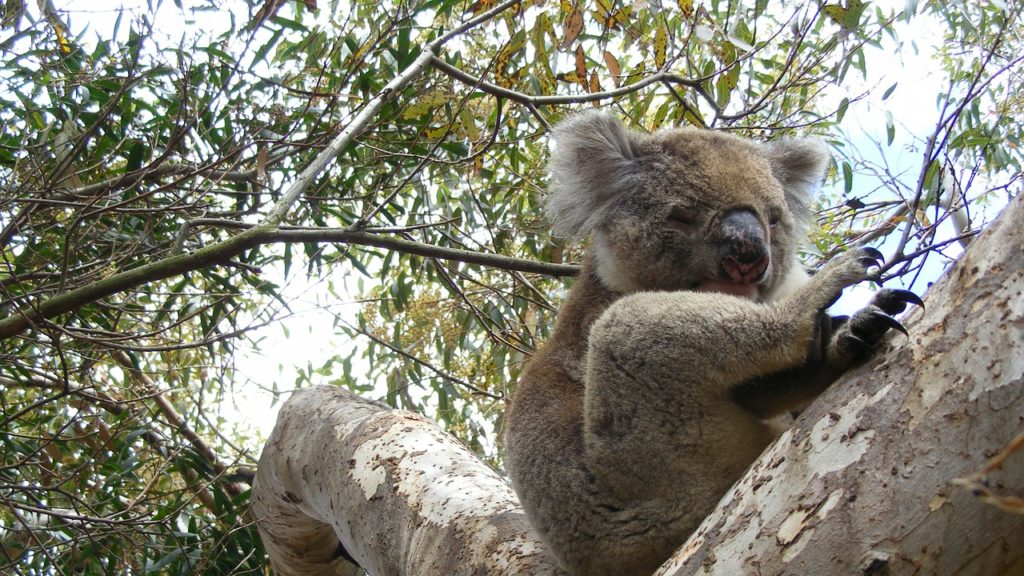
column 613, row 67
column 581, row 66
column 573, row 27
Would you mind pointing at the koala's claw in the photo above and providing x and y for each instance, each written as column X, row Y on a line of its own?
column 895, row 300
column 870, row 257
column 883, row 318
column 872, row 253
column 868, row 261
column 868, row 325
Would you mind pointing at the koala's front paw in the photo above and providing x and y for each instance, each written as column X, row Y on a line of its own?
column 844, row 270
column 864, row 330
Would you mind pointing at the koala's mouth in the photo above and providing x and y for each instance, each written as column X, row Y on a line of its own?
column 743, row 290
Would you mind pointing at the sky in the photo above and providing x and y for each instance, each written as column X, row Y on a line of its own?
column 307, row 337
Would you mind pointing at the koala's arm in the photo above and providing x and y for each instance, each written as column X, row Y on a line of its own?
column 839, row 343
column 663, row 369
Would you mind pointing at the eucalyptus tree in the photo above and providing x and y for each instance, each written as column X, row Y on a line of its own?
column 163, row 167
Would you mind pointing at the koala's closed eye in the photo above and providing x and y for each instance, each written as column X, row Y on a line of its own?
column 683, row 218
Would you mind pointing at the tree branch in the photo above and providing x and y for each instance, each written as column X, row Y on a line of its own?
column 342, row 471
column 523, row 98
column 253, row 236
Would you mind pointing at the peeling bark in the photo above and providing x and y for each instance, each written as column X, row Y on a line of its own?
column 401, row 495
column 861, row 484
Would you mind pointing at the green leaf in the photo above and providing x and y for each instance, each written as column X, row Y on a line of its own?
column 930, row 174
column 841, row 110
column 289, row 23
column 888, row 91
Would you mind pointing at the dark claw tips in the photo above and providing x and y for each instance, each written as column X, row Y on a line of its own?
column 908, row 296
column 870, row 257
column 889, row 321
column 872, row 253
column 870, row 262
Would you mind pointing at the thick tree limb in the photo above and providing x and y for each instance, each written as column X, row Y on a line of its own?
column 322, row 235
column 401, row 496
column 252, row 237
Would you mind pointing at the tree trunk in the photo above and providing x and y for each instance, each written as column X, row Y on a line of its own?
column 399, row 494
column 863, row 483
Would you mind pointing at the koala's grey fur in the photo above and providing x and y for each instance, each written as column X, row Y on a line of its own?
column 649, row 400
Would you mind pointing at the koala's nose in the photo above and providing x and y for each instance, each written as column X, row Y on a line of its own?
column 743, row 252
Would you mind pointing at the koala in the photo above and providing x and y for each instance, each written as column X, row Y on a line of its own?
column 691, row 324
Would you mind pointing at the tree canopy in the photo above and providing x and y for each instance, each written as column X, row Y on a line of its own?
column 167, row 168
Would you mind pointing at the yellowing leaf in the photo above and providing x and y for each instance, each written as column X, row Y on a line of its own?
column 686, row 7
column 836, row 13
column 613, row 67
column 693, row 118
column 542, row 28
column 62, row 40
column 610, row 19
column 733, row 77
column 468, row 124
column 723, row 90
column 545, row 78
column 726, row 52
column 436, row 133
column 622, row 15
column 849, row 17
column 425, row 102
column 502, row 75
column 570, row 77
column 660, row 45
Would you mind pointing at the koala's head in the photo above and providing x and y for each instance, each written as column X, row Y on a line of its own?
column 683, row 209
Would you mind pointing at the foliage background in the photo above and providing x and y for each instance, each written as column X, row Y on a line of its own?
column 148, row 245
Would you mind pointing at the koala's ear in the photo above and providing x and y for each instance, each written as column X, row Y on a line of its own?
column 799, row 165
column 594, row 161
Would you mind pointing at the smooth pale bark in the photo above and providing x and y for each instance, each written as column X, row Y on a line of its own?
column 401, row 495
column 862, row 484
